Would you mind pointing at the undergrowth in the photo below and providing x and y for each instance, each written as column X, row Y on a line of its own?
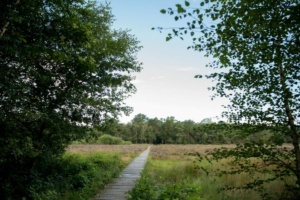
column 76, row 176
column 166, row 182
column 172, row 174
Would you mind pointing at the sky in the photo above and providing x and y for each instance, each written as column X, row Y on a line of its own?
column 166, row 85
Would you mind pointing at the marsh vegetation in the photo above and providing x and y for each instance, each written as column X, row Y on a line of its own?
column 174, row 172
column 83, row 170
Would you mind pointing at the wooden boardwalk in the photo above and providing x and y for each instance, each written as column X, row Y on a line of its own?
column 119, row 186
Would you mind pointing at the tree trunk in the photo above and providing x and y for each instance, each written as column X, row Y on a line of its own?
column 286, row 100
column 3, row 30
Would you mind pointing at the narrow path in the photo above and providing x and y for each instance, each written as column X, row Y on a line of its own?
column 119, row 186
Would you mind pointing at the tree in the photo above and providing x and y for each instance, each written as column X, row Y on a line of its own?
column 189, row 131
column 139, row 128
column 256, row 44
column 155, row 127
column 62, row 70
column 168, row 130
column 206, row 121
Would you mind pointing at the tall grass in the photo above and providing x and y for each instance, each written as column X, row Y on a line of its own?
column 172, row 173
column 77, row 176
column 235, row 182
column 167, row 179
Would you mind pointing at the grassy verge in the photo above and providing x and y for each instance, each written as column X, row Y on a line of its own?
column 171, row 173
column 167, row 179
column 126, row 152
column 80, row 174
column 77, row 176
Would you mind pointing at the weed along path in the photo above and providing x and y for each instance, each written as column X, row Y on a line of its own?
column 118, row 188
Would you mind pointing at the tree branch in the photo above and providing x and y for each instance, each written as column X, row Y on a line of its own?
column 4, row 28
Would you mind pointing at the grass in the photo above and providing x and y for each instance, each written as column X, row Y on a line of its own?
column 126, row 152
column 83, row 171
column 171, row 173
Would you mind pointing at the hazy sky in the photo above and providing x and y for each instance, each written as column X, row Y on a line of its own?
column 166, row 86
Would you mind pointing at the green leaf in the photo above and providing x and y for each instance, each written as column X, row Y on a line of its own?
column 53, row 83
column 163, row 11
column 169, row 37
column 253, row 47
column 180, row 9
column 187, row 3
column 198, row 76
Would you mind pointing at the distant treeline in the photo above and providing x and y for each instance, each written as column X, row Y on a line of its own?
column 142, row 129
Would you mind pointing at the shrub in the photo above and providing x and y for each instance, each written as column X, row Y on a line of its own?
column 77, row 176
column 108, row 139
column 126, row 142
column 143, row 189
column 166, row 180
column 103, row 139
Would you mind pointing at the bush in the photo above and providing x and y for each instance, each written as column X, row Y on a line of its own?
column 104, row 139
column 126, row 142
column 77, row 176
column 108, row 139
column 145, row 190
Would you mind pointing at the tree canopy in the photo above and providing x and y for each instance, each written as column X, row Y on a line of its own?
column 62, row 69
column 142, row 129
column 256, row 46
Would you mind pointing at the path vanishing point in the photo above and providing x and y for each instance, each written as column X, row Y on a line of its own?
column 118, row 188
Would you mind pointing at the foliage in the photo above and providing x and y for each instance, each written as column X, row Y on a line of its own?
column 103, row 139
column 108, row 139
column 143, row 129
column 255, row 46
column 76, row 176
column 166, row 179
column 144, row 190
column 173, row 168
column 62, row 70
column 261, row 163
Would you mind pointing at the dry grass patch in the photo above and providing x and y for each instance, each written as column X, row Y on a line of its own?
column 181, row 152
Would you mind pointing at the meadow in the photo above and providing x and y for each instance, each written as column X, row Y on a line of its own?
column 126, row 153
column 173, row 172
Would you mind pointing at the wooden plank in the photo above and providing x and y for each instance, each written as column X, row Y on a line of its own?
column 118, row 188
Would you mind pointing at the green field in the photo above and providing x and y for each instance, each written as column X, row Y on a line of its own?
column 172, row 172
column 83, row 171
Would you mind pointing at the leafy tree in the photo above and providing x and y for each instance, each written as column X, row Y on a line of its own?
column 189, row 131
column 112, row 127
column 168, row 133
column 179, row 133
column 206, row 121
column 256, row 44
column 62, row 70
column 155, row 125
column 139, row 128
column 142, row 129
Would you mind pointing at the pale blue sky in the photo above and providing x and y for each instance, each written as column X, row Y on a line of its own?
column 166, row 86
